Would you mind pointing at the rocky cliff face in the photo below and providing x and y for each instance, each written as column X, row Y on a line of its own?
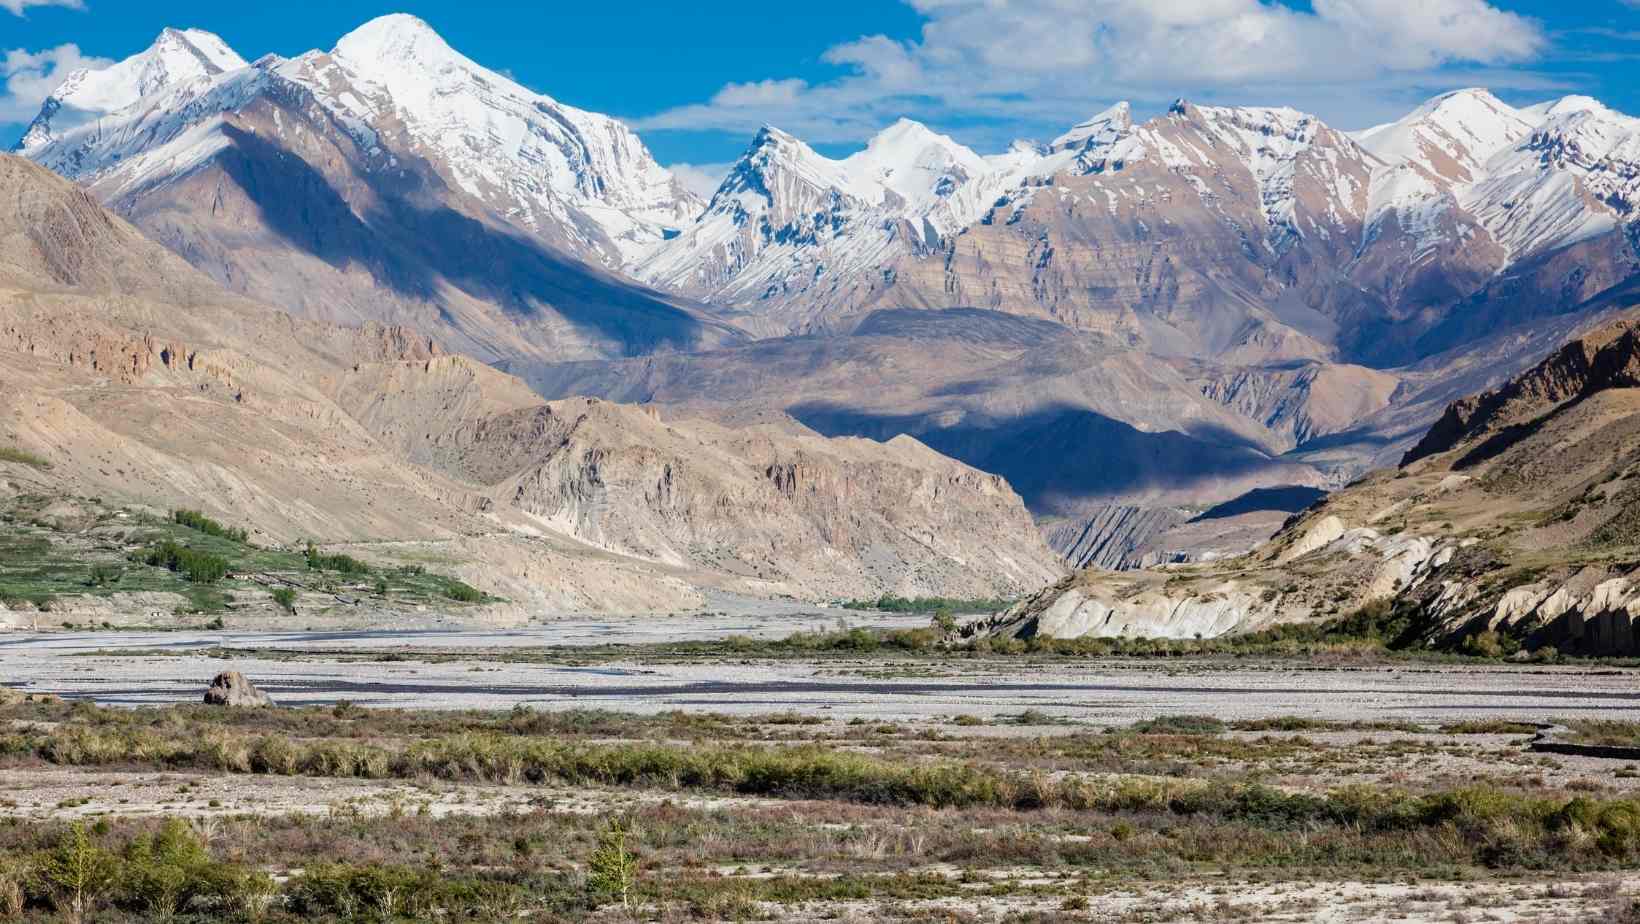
column 1517, row 515
column 1113, row 538
column 1604, row 359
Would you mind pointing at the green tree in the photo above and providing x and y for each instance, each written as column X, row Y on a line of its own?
column 165, row 869
column 79, row 872
column 612, row 872
column 945, row 622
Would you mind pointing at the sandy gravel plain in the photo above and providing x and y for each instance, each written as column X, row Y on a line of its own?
column 911, row 707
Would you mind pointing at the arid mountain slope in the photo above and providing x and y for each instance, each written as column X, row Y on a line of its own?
column 1072, row 422
column 1518, row 515
column 137, row 378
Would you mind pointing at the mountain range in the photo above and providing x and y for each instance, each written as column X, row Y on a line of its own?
column 1153, row 316
column 128, row 375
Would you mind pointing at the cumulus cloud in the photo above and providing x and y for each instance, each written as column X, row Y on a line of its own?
column 18, row 6
column 700, row 179
column 1050, row 62
column 28, row 77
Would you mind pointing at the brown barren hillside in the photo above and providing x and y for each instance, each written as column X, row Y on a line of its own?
column 137, row 379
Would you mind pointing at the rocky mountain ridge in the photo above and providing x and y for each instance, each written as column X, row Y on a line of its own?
column 1515, row 523
column 1344, row 238
column 390, row 179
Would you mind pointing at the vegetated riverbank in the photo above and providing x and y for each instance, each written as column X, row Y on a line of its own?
column 791, row 815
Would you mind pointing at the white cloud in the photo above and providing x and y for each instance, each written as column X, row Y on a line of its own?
column 28, row 77
column 1048, row 63
column 761, row 93
column 18, row 6
column 701, row 179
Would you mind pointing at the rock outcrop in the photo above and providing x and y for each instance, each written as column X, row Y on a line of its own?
column 231, row 688
column 1605, row 358
column 1113, row 537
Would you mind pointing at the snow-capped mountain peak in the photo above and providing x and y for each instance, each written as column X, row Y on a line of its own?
column 583, row 181
column 1564, row 106
column 914, row 163
column 396, row 37
column 1105, row 128
column 522, row 153
column 786, row 173
column 1452, row 135
column 175, row 57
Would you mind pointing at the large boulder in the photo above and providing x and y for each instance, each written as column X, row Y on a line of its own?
column 231, row 688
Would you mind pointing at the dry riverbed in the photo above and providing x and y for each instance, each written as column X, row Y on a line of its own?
column 484, row 775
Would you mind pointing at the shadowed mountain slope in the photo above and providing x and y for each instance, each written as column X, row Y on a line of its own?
column 1514, row 524
column 136, row 378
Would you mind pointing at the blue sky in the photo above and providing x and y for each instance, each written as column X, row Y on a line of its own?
column 698, row 78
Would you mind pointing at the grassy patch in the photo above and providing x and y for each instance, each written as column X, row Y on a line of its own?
column 838, row 819
column 1233, row 821
column 1488, row 727
column 1609, row 732
column 1533, row 830
column 890, row 603
column 97, row 551
column 23, row 457
column 1179, row 725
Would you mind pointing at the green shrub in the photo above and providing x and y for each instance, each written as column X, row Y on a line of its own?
column 103, row 576
column 463, row 593
column 373, row 891
column 78, row 873
column 285, row 598
column 195, row 520
column 197, row 567
column 275, row 754
column 22, row 457
column 341, row 564
column 15, row 877
column 612, row 872
column 890, row 603
column 169, row 871
column 1179, row 725
column 1489, row 644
